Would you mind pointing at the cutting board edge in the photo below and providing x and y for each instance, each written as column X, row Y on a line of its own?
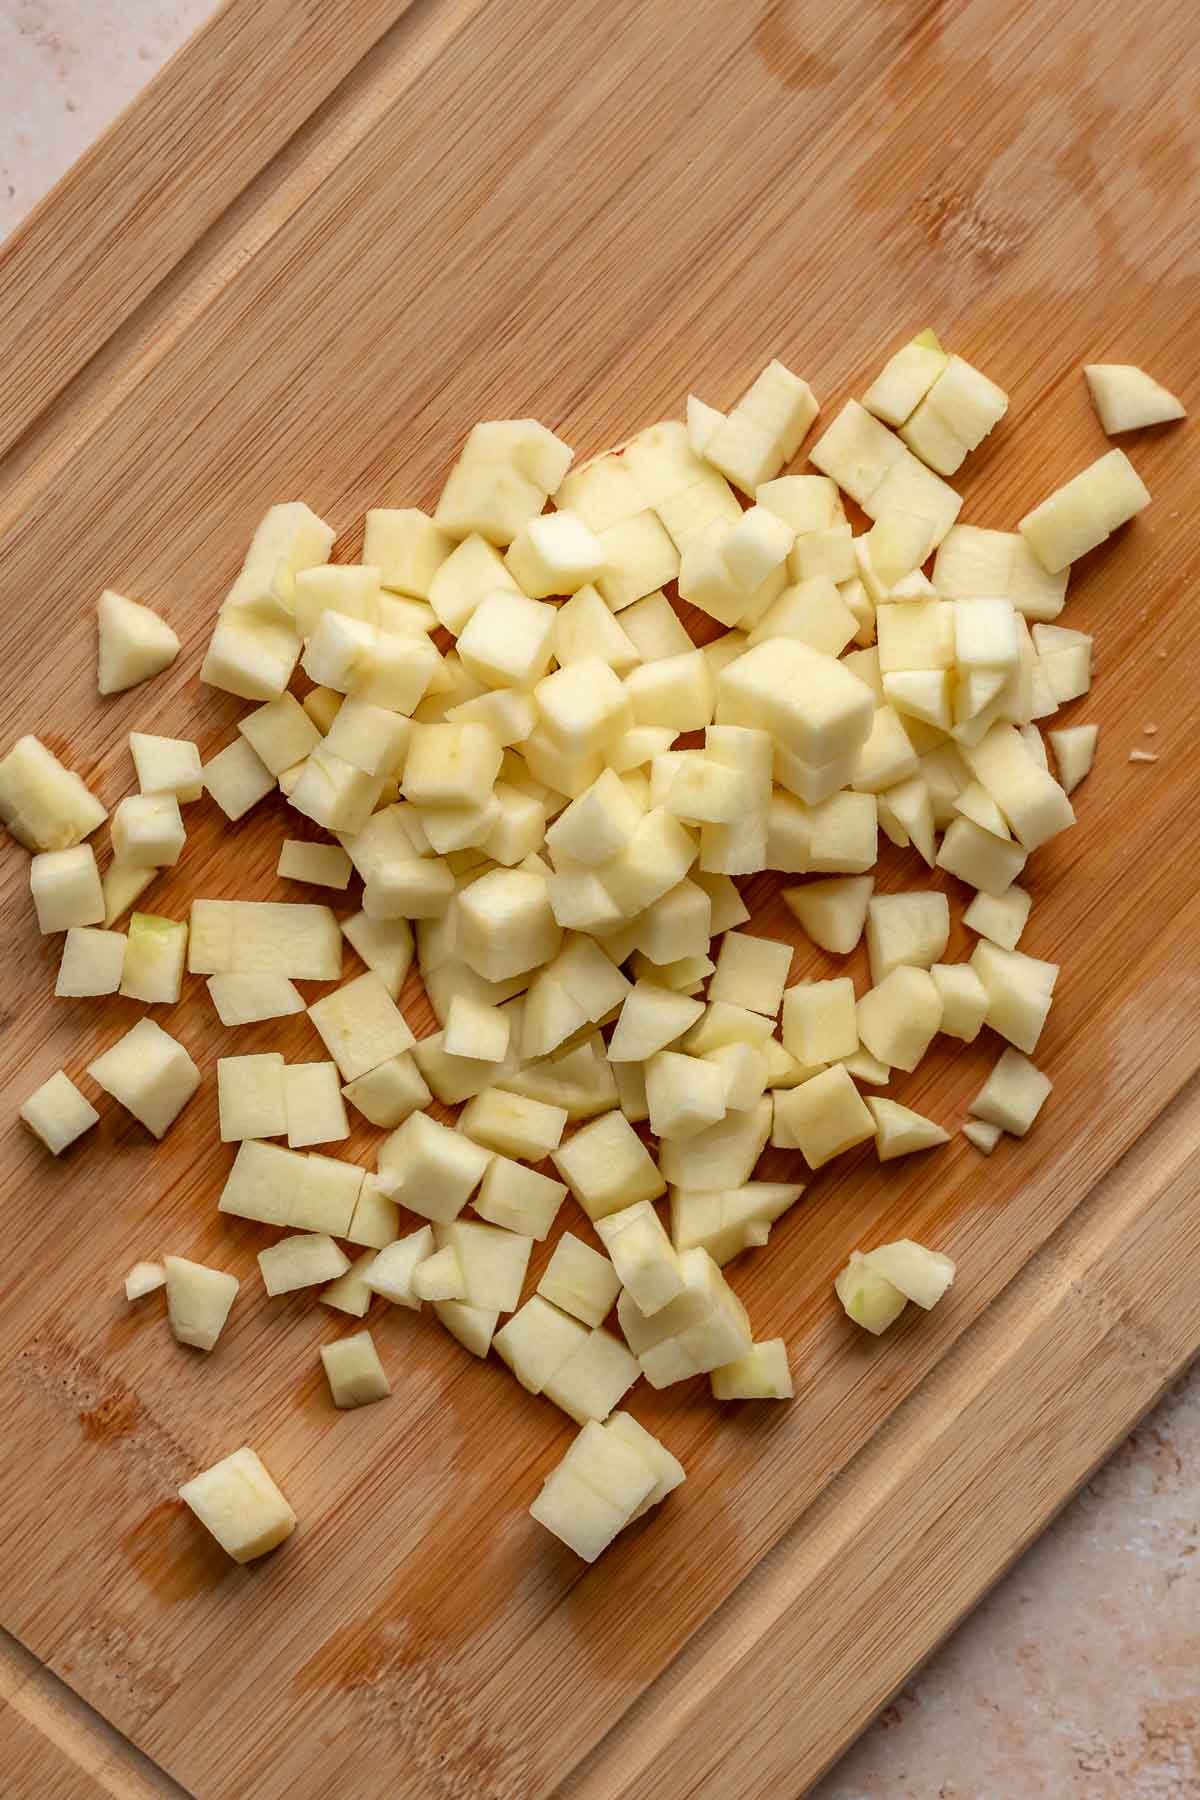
column 1108, row 1274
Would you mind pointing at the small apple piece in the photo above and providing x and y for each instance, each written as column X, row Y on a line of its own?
column 355, row 1374
column 387, row 1095
column 471, row 1325
column 833, row 912
column 122, row 884
column 250, row 1097
column 821, row 1118
column 440, row 1277
column 477, row 1030
column 150, row 1073
column 325, row 1195
column 376, row 1221
column 166, row 765
column 819, row 1023
column 764, row 430
column 324, row 865
column 505, row 923
column 1000, row 918
column 921, row 1275
column 238, row 779
column 198, row 1301
column 264, row 1184
column 155, row 954
column 643, row 1256
column 607, row 1167
column 1013, row 1094
column 144, row 1278
column 964, row 1000
column 305, row 1260
column 751, row 972
column 723, row 1156
column 1083, row 513
column 313, row 1107
column 66, row 890
column 983, row 1135
column 905, row 379
column 513, row 1124
column 537, row 1341
column 898, row 1019
column 44, row 805
column 134, row 643
column 91, row 962
column 863, row 1067
column 1127, row 399
column 1019, row 990
column 595, row 1378
column 58, row 1113
column 523, row 1200
column 361, row 1026
column 391, row 1273
column 726, row 1223
column 1074, row 753
column 406, row 547
column 246, row 999
column 430, row 1169
column 668, row 1470
column 492, row 1263
column 350, row 1293
column 237, row 1501
column 899, row 1131
column 580, row 1280
column 148, row 830
column 984, row 861
column 584, row 1520
column 867, row 1297
column 955, row 416
column 904, row 930
column 762, row 1373
column 685, row 1094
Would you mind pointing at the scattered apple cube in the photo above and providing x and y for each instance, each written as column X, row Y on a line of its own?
column 867, row 1296
column 66, row 890
column 1083, row 513
column 245, row 999
column 134, row 643
column 391, row 1273
column 905, row 380
column 643, row 1256
column 361, row 1026
column 594, row 1378
column 899, row 1018
column 751, row 972
column 822, row 1117
column 899, row 1131
column 1001, row 918
column 238, row 779
column 376, row 1221
column 237, row 1501
column 761, row 1373
column 325, row 865
column 580, row 1281
column 388, row 1094
column 144, row 1278
column 964, row 1000
column 921, row 1275
column 430, row 1169
column 305, row 1260
column 903, row 929
column 1013, row 1094
column 355, row 1374
column 537, row 1341
column 166, row 765
column 121, row 884
column 91, row 962
column 150, row 1073
column 471, row 1325
column 58, row 1113
column 313, row 1108
column 726, row 1223
column 155, row 954
column 521, row 1199
column 492, row 1262
column 607, row 1167
column 1127, row 399
column 406, row 547
column 1074, row 752
column 44, row 805
column 198, row 1301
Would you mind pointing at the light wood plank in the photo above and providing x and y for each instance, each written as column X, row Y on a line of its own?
column 498, row 220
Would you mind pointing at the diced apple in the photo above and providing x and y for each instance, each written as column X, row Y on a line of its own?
column 985, row 1137
column 313, row 1107
column 430, row 1169
column 391, row 1274
column 898, row 1018
column 1013, row 1094
column 921, row 1275
column 833, row 913
column 150, row 1073
column 580, row 1281
column 537, row 1341
column 57, row 1113
column 441, row 1276
column 821, row 1118
column 905, row 929
column 1074, row 752
column 237, row 779
column 361, row 1026
column 304, row 1260
column 155, row 954
column 761, row 1373
column 867, row 1297
column 1127, row 399
column 198, row 1301
column 899, row 1131
column 1087, row 510
column 144, row 1278
column 594, row 1379
column 964, row 1000
column 237, row 1501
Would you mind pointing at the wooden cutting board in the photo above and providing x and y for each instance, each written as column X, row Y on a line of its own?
column 328, row 239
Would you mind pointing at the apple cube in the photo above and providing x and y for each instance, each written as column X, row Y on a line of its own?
column 522, row 1200
column 899, row 1017
column 988, row 863
column 491, row 499
column 376, row 1221
column 355, row 1374
column 57, row 1113
column 144, row 1278
column 44, row 805
column 237, row 1501
column 166, row 765
column 819, row 1022
column 1013, row 1094
column 236, row 778
column 867, row 1297
column 537, row 1341
column 727, row 1222
column 575, row 1513
column 326, row 1196
column 305, row 1260
column 643, row 1256
column 1001, row 918
column 955, row 416
column 1126, row 398
column 833, row 913
column 451, row 765
column 651, row 1018
column 250, row 1097
column 822, row 1117
column 761, row 1373
column 386, row 946
column 911, row 928
column 493, row 1263
column 91, row 962
column 751, row 972
column 430, row 1169
column 441, row 1276
column 313, row 1107
column 508, row 640
column 121, row 884
column 764, row 430
column 134, row 643
column 155, row 953
column 471, row 1325
column 685, row 1094
column 406, row 547
column 607, row 1167
column 808, row 702
column 899, row 1131
column 1019, row 990
column 151, row 1075
column 66, row 890
column 506, row 924
column 1074, row 752
column 921, row 1275
column 598, row 823
column 361, row 1026
column 723, row 1156
column 964, row 1000
column 1083, row 513
column 983, row 1136
column 513, row 1125
column 391, row 1273
column 198, row 1301
column 905, row 379
column 580, row 1281
column 350, row 1293
column 594, row 1379
column 555, row 553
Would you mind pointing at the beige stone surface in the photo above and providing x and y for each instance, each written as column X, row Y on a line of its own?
column 1079, row 1678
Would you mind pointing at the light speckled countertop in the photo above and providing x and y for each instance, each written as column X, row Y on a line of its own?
column 1079, row 1678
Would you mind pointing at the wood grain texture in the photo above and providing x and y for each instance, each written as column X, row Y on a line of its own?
column 138, row 201
column 573, row 212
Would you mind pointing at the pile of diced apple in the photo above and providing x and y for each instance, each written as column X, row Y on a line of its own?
column 548, row 790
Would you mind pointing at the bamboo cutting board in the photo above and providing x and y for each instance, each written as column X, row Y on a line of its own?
column 327, row 240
